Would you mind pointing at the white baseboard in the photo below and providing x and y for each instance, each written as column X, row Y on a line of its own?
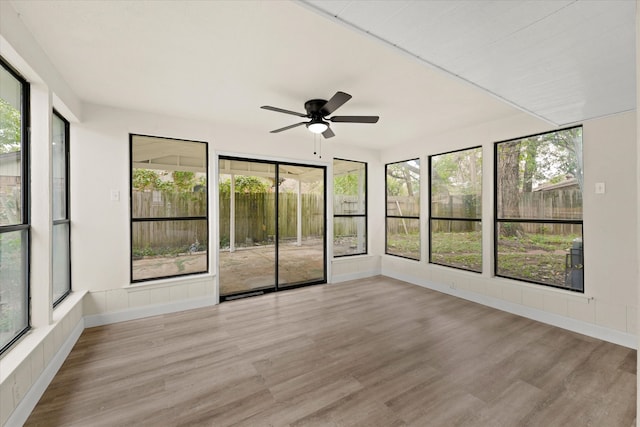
column 585, row 328
column 146, row 311
column 31, row 398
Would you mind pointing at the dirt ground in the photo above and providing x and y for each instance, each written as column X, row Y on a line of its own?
column 160, row 266
column 254, row 267
column 245, row 269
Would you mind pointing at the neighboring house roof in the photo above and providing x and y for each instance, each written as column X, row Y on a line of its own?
column 569, row 182
column 10, row 164
column 14, row 155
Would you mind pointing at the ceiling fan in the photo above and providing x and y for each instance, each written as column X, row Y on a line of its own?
column 318, row 110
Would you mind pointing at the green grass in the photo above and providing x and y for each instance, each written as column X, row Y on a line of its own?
column 471, row 262
column 457, row 249
column 536, row 257
column 456, row 242
column 406, row 245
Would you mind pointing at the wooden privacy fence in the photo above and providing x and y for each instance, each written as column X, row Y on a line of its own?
column 556, row 204
column 459, row 206
column 348, row 205
column 179, row 235
column 255, row 216
column 175, row 236
column 551, row 205
column 255, row 220
column 158, row 204
column 403, row 206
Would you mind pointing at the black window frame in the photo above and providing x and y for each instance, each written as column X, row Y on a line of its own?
column 67, row 219
column 277, row 285
column 443, row 218
column 25, row 225
column 387, row 216
column 133, row 220
column 498, row 221
column 365, row 215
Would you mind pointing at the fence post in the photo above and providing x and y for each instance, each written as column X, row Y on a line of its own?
column 232, row 214
column 299, row 214
column 404, row 224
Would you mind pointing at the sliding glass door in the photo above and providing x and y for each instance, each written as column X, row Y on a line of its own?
column 272, row 226
column 301, row 225
column 247, row 226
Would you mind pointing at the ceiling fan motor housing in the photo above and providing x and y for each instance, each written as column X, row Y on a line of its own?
column 313, row 107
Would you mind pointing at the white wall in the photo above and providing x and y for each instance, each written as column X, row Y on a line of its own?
column 637, row 236
column 608, row 308
column 100, row 166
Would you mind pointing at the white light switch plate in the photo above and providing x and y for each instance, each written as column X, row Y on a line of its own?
column 600, row 188
column 115, row 195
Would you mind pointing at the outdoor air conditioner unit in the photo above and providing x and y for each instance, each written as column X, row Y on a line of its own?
column 574, row 266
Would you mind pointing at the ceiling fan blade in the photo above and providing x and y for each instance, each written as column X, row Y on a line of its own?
column 281, row 110
column 288, row 127
column 354, row 119
column 328, row 133
column 334, row 103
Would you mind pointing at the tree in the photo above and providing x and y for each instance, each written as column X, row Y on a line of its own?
column 456, row 183
column 245, row 184
column 570, row 141
column 10, row 128
column 526, row 163
column 509, row 184
column 346, row 184
column 550, row 158
column 458, row 173
column 405, row 178
column 183, row 182
column 530, row 162
column 145, row 179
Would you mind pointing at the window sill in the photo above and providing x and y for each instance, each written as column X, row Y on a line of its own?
column 348, row 258
column 23, row 349
column 168, row 282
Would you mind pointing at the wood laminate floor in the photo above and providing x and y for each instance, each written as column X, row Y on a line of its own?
column 372, row 352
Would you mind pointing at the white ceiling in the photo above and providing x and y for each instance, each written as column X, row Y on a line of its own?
column 220, row 61
column 563, row 60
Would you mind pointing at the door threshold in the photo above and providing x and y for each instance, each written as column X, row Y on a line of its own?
column 247, row 295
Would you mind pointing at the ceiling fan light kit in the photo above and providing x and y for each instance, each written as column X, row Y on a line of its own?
column 318, row 110
column 317, row 126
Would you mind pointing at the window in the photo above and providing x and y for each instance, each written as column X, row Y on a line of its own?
column 456, row 209
column 349, row 208
column 170, row 232
column 61, row 224
column 14, row 208
column 538, row 200
column 403, row 209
